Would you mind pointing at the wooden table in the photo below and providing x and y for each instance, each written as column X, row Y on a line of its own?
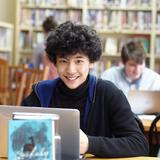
column 91, row 157
column 133, row 158
column 147, row 124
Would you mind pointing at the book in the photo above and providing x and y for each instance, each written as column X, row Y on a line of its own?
column 32, row 136
column 31, row 139
column 111, row 46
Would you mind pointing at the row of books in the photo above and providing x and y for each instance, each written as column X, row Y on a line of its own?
column 38, row 37
column 113, row 45
column 158, row 21
column 25, row 40
column 104, row 64
column 127, row 3
column 119, row 3
column 35, row 17
column 97, row 18
column 29, row 40
column 138, row 20
column 5, row 38
column 157, row 46
column 52, row 2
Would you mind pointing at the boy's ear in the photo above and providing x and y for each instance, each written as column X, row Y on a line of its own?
column 91, row 66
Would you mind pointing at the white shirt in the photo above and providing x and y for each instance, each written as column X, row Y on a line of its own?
column 149, row 79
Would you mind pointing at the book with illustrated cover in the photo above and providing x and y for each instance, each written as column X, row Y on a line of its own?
column 31, row 139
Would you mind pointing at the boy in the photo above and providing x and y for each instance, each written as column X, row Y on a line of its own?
column 133, row 74
column 108, row 127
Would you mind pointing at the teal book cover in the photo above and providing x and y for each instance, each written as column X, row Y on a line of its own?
column 31, row 140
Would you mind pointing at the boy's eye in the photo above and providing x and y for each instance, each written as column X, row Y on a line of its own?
column 63, row 61
column 79, row 61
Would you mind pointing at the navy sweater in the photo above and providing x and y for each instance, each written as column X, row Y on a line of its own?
column 111, row 127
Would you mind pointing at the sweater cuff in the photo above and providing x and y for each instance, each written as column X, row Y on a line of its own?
column 94, row 146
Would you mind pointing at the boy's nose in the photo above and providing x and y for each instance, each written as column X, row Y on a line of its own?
column 71, row 68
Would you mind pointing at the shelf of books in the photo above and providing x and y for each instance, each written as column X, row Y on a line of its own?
column 117, row 22
column 157, row 39
column 6, row 38
column 31, row 14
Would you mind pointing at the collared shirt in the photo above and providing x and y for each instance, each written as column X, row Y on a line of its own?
column 149, row 79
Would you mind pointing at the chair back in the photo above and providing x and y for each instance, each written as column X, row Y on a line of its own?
column 14, row 78
column 154, row 137
column 3, row 81
column 28, row 78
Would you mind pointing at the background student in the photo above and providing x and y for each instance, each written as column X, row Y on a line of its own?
column 108, row 127
column 40, row 60
column 133, row 74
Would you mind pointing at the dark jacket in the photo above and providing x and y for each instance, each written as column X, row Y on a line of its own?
column 111, row 127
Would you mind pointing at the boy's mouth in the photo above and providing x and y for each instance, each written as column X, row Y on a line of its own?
column 71, row 78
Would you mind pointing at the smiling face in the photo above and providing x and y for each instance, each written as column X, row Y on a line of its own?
column 133, row 70
column 73, row 70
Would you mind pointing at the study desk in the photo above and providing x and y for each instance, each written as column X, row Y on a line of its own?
column 147, row 124
column 147, row 120
column 133, row 158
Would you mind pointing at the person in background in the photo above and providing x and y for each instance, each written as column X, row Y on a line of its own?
column 107, row 125
column 40, row 60
column 133, row 74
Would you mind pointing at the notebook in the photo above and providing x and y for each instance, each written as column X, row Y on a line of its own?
column 68, row 128
column 144, row 102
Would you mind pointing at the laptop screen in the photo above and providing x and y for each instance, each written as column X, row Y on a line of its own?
column 144, row 102
column 68, row 128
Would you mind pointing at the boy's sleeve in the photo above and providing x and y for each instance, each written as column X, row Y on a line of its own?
column 126, row 139
column 31, row 100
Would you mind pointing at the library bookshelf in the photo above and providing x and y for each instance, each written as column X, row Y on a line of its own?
column 116, row 21
column 6, row 41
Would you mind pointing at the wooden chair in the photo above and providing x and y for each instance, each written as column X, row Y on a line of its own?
column 14, row 79
column 154, row 137
column 28, row 78
column 3, row 81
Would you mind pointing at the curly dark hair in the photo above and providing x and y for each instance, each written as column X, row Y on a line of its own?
column 49, row 24
column 69, row 38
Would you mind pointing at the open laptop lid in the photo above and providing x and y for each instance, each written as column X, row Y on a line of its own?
column 68, row 127
column 144, row 102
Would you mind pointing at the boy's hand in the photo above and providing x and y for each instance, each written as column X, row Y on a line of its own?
column 83, row 142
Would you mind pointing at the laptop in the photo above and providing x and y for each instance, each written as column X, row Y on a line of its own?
column 144, row 102
column 68, row 127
